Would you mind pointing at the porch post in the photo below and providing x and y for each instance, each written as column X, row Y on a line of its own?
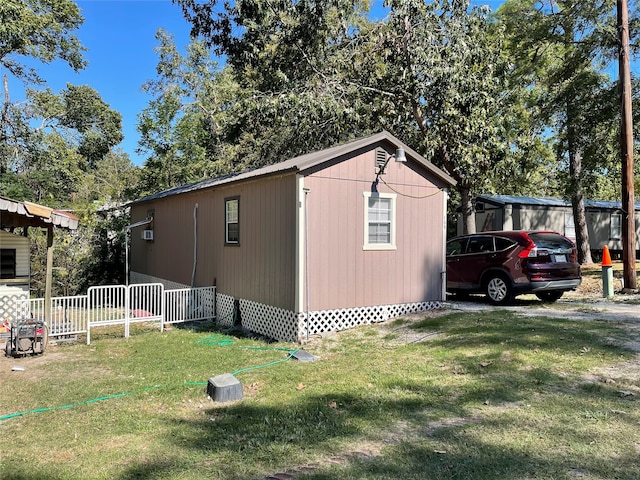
column 47, row 284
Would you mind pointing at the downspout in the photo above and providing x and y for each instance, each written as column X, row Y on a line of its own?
column 443, row 276
column 306, row 256
column 195, row 244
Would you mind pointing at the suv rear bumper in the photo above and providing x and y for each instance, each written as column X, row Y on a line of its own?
column 548, row 285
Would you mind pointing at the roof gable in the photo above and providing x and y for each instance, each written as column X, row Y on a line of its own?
column 307, row 162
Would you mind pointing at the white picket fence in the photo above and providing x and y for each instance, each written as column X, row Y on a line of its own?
column 121, row 305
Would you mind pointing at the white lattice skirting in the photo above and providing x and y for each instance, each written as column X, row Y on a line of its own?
column 225, row 309
column 271, row 321
column 342, row 319
column 285, row 325
column 288, row 326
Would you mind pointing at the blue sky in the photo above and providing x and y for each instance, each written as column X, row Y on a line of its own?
column 119, row 36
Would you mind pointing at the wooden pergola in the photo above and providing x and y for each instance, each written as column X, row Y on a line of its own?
column 18, row 214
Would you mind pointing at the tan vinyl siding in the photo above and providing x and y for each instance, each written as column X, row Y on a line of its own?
column 342, row 274
column 260, row 268
column 22, row 246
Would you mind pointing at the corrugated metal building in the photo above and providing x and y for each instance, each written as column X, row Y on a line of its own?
column 316, row 243
column 509, row 212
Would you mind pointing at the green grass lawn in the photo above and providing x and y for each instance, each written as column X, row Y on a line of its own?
column 478, row 396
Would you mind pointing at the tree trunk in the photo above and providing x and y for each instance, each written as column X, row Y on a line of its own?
column 468, row 211
column 577, row 204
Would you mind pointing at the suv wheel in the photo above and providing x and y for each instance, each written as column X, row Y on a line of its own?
column 550, row 296
column 498, row 289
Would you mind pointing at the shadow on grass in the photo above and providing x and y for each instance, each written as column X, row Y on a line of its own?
column 269, row 439
column 252, row 438
column 442, row 458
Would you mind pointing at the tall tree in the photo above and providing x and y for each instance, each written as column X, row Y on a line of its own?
column 181, row 127
column 64, row 136
column 288, row 59
column 40, row 30
column 438, row 78
column 432, row 73
column 563, row 47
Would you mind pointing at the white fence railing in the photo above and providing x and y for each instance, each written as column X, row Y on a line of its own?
column 189, row 304
column 121, row 305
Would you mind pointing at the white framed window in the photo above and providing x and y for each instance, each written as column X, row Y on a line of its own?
column 379, row 221
column 232, row 221
column 615, row 226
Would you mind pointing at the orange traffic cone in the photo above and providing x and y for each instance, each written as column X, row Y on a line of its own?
column 606, row 257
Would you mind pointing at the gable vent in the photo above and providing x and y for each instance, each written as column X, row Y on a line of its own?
column 381, row 158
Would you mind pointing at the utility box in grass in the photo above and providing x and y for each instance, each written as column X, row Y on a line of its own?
column 224, row 388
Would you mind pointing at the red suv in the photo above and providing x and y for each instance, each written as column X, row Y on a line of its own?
column 505, row 264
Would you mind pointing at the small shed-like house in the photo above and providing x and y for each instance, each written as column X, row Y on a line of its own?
column 15, row 270
column 507, row 212
column 325, row 241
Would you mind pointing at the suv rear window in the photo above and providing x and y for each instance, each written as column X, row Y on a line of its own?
column 503, row 243
column 551, row 241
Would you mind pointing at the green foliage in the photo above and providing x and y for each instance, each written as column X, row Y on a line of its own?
column 39, row 29
column 443, row 76
column 287, row 60
column 82, row 115
column 313, row 74
column 56, row 149
column 181, row 127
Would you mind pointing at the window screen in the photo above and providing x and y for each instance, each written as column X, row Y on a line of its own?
column 379, row 221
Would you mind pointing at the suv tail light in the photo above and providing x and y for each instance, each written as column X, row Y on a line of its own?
column 534, row 252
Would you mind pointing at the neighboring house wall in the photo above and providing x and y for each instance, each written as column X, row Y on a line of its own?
column 604, row 224
column 17, row 288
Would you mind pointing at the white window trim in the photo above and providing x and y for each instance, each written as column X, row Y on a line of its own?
column 379, row 246
column 227, row 222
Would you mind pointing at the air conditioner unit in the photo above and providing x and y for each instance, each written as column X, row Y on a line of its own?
column 147, row 234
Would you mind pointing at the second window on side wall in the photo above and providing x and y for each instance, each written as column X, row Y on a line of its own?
column 232, row 221
column 379, row 221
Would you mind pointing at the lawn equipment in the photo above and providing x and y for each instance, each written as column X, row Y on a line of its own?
column 27, row 337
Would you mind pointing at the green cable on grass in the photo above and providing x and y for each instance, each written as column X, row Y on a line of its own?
column 215, row 340
column 87, row 402
column 291, row 354
column 212, row 340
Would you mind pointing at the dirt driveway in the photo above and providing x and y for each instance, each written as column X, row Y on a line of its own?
column 622, row 309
